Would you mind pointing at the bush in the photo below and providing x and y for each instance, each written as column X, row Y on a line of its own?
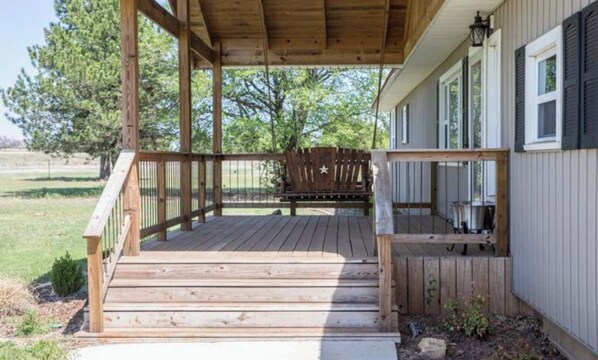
column 471, row 319
column 29, row 325
column 15, row 297
column 66, row 276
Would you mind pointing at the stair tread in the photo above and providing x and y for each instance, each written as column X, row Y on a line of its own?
column 240, row 307
column 169, row 257
column 267, row 282
column 246, row 333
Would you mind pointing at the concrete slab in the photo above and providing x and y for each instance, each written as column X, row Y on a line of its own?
column 245, row 350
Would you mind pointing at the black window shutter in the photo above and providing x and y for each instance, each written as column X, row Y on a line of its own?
column 589, row 77
column 465, row 105
column 438, row 140
column 519, row 99
column 571, row 79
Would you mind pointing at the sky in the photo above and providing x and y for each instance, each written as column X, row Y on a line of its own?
column 22, row 24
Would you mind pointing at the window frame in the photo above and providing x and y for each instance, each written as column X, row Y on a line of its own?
column 455, row 72
column 543, row 48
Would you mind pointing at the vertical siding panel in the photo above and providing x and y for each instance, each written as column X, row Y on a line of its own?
column 567, row 227
column 583, row 243
column 592, row 253
column 559, row 219
column 574, row 238
column 552, row 222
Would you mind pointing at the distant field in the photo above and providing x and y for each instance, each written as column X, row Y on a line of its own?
column 42, row 217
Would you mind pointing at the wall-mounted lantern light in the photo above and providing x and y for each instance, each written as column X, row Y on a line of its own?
column 480, row 29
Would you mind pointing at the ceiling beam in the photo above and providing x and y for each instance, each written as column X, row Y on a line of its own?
column 262, row 16
column 205, row 24
column 173, row 6
column 202, row 49
column 385, row 29
column 156, row 13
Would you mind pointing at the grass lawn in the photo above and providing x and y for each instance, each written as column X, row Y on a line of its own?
column 41, row 219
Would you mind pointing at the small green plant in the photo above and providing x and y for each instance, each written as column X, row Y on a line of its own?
column 29, row 324
column 470, row 319
column 66, row 276
column 431, row 290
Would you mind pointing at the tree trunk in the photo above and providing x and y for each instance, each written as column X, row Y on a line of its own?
column 105, row 167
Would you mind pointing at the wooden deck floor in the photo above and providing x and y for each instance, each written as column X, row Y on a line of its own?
column 303, row 236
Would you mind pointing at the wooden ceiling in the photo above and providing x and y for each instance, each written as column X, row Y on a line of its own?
column 301, row 32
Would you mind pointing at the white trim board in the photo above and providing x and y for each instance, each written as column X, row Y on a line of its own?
column 448, row 29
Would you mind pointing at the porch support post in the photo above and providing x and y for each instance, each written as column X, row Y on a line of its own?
column 502, row 205
column 184, row 39
column 217, row 130
column 130, row 95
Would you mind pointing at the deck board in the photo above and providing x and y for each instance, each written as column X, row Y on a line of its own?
column 309, row 236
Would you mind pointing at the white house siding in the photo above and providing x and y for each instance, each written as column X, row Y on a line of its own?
column 553, row 201
column 553, row 195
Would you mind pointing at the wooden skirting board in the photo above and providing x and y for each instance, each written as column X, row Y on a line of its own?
column 425, row 284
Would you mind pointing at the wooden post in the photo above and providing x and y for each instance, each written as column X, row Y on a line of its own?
column 130, row 95
column 217, row 126
column 385, row 283
column 202, row 190
column 185, row 69
column 161, row 184
column 95, row 284
column 384, row 228
column 433, row 188
column 502, row 205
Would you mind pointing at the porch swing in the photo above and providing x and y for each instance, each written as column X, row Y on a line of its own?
column 325, row 174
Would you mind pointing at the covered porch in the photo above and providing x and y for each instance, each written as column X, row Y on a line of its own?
column 164, row 258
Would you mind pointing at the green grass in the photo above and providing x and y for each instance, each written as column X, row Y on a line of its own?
column 40, row 350
column 41, row 219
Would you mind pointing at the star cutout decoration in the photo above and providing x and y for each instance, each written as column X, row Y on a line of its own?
column 323, row 170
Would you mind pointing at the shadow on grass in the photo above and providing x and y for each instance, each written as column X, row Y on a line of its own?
column 66, row 179
column 70, row 192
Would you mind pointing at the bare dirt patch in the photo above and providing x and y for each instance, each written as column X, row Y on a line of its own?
column 510, row 338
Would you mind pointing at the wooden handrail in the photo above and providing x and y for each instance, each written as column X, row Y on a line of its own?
column 441, row 155
column 110, row 194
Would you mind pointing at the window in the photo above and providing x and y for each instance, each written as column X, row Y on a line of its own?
column 405, row 127
column 393, row 128
column 543, row 94
column 450, row 121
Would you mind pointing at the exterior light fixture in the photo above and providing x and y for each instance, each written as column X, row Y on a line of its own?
column 479, row 30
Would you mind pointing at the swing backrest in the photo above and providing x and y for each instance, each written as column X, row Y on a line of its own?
column 328, row 169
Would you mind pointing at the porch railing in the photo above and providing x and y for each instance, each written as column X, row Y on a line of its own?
column 109, row 230
column 416, row 175
column 161, row 182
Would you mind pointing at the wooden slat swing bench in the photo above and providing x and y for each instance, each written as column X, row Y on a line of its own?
column 326, row 174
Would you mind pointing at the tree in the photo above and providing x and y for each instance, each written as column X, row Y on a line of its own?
column 309, row 107
column 73, row 102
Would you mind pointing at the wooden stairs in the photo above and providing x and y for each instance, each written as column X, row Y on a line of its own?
column 159, row 296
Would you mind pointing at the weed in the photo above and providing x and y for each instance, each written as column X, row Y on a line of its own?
column 30, row 324
column 431, row 289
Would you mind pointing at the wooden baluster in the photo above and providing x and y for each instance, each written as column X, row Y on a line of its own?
column 202, row 189
column 161, row 185
column 502, row 206
column 95, row 284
